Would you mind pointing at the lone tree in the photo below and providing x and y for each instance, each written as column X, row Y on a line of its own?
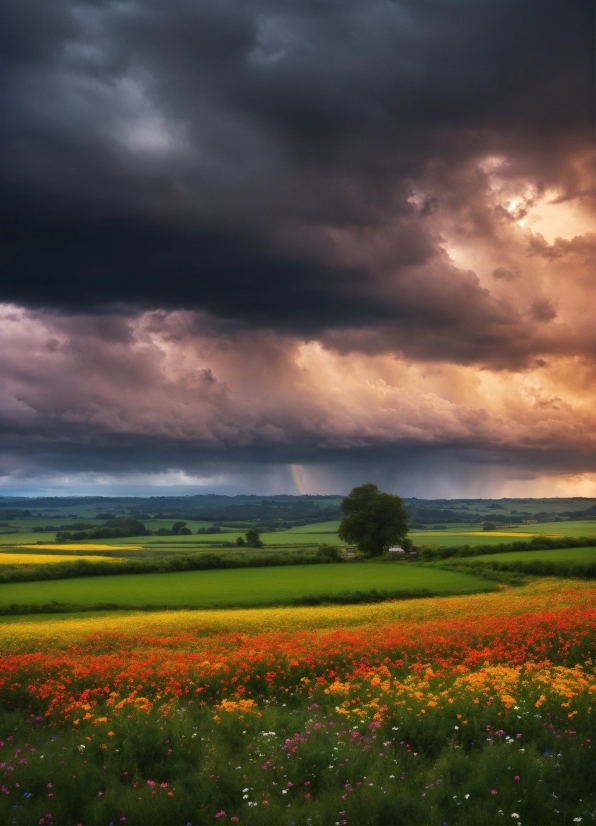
column 177, row 527
column 373, row 520
column 253, row 539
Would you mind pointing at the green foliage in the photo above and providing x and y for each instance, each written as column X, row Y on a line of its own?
column 373, row 520
column 177, row 527
column 489, row 526
column 539, row 567
column 538, row 543
column 113, row 529
column 304, row 759
column 253, row 540
column 330, row 553
column 241, row 542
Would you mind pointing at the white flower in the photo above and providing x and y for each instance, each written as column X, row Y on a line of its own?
column 514, row 814
column 244, row 796
column 577, row 820
column 456, row 728
column 245, row 790
column 284, row 791
column 466, row 796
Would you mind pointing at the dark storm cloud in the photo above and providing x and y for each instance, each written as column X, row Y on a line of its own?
column 247, row 233
column 171, row 154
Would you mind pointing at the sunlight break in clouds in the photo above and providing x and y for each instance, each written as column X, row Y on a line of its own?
column 294, row 248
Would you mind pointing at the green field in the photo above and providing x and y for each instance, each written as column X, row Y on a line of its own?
column 305, row 536
column 583, row 555
column 240, row 587
column 472, row 535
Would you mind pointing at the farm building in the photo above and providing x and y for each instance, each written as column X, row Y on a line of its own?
column 401, row 553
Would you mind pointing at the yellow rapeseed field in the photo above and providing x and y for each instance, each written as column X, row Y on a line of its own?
column 83, row 546
column 48, row 559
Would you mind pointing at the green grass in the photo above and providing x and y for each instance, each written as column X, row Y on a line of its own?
column 581, row 528
column 240, row 587
column 582, row 555
column 311, row 536
column 473, row 535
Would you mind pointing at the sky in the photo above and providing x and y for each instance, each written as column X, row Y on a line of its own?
column 290, row 247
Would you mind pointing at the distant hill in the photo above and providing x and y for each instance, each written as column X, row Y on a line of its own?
column 284, row 510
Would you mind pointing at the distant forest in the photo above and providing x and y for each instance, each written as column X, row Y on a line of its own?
column 284, row 511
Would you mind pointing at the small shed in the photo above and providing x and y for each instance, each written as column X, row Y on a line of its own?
column 397, row 552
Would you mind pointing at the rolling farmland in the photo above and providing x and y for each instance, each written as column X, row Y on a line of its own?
column 240, row 586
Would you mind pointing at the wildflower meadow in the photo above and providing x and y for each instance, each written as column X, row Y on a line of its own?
column 454, row 710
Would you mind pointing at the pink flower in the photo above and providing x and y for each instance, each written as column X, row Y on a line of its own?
column 493, row 791
column 163, row 785
column 151, row 782
column 234, row 819
column 518, row 736
column 516, row 777
column 307, row 782
column 122, row 820
column 306, row 796
column 221, row 814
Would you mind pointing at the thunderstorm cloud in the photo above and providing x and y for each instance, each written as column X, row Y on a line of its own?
column 356, row 236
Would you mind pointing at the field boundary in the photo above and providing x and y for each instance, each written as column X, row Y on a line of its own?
column 535, row 567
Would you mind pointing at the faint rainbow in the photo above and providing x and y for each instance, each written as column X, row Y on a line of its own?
column 297, row 480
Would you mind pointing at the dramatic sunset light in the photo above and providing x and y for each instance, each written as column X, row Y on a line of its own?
column 287, row 247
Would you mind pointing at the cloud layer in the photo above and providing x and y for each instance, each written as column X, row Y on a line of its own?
column 323, row 233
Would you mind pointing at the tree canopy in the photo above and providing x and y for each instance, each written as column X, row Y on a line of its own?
column 253, row 539
column 373, row 520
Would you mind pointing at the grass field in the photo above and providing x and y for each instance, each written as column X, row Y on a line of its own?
column 474, row 536
column 559, row 555
column 472, row 710
column 303, row 536
column 241, row 586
